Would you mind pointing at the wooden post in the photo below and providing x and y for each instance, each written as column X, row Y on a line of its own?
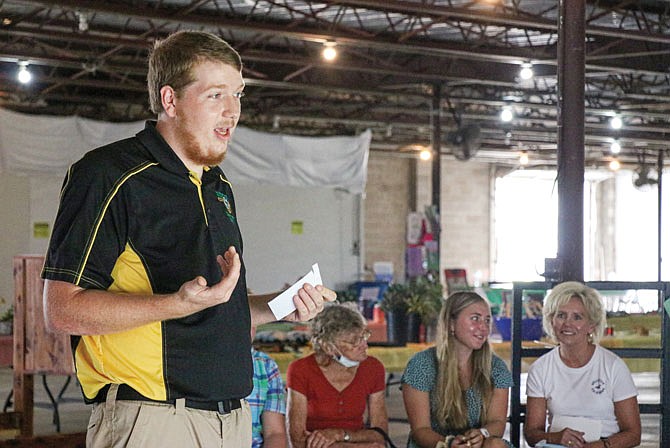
column 23, row 383
column 36, row 350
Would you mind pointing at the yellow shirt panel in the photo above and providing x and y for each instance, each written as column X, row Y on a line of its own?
column 105, row 359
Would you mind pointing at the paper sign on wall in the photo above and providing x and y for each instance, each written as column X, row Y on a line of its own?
column 40, row 230
column 296, row 227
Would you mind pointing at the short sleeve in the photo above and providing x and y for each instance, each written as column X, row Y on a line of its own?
column 275, row 399
column 90, row 228
column 377, row 375
column 534, row 386
column 296, row 376
column 623, row 386
column 421, row 372
column 501, row 377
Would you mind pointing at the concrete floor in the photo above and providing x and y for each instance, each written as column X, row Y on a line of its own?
column 74, row 413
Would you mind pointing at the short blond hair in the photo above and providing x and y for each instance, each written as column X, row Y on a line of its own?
column 172, row 60
column 593, row 304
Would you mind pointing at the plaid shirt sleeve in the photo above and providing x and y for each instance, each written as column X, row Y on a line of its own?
column 267, row 395
column 275, row 400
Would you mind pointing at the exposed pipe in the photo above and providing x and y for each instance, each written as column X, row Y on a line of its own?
column 436, row 163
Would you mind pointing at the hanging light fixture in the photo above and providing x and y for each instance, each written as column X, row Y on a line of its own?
column 329, row 52
column 523, row 158
column 526, row 71
column 83, row 20
column 24, row 76
column 616, row 122
column 506, row 114
column 615, row 165
column 425, row 154
column 615, row 147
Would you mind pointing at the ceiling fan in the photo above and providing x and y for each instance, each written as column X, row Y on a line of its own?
column 465, row 141
column 643, row 176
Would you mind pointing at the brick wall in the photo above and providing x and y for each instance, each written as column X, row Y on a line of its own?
column 465, row 209
column 466, row 217
column 387, row 198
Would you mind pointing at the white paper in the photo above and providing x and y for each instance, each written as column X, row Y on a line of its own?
column 590, row 427
column 544, row 444
column 283, row 305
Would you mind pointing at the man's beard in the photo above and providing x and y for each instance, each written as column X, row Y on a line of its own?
column 193, row 150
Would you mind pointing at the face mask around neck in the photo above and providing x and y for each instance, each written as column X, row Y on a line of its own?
column 346, row 362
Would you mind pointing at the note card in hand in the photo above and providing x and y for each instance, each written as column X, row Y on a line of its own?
column 590, row 427
column 544, row 444
column 283, row 305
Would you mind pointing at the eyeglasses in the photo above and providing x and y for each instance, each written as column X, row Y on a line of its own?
column 360, row 338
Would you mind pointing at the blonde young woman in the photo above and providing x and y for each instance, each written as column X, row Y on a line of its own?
column 331, row 391
column 587, row 390
column 456, row 393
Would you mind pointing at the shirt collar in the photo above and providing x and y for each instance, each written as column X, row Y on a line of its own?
column 160, row 150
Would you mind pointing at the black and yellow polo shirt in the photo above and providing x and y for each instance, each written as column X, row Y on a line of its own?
column 132, row 219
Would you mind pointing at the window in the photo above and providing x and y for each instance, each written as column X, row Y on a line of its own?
column 524, row 225
column 620, row 228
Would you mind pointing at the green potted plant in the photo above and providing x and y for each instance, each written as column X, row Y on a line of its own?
column 430, row 298
column 394, row 304
column 6, row 321
column 408, row 305
column 424, row 302
column 346, row 295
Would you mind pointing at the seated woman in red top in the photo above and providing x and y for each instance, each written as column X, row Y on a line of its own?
column 329, row 390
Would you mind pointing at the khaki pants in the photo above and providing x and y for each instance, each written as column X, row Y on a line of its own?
column 143, row 424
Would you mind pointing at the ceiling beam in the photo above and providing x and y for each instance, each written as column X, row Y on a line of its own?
column 379, row 41
column 492, row 17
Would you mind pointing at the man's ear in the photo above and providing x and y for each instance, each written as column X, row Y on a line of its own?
column 168, row 100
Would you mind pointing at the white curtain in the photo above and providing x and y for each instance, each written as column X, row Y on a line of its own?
column 38, row 144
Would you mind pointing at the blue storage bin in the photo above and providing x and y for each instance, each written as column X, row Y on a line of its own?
column 531, row 328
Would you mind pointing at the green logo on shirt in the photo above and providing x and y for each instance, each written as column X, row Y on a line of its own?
column 221, row 197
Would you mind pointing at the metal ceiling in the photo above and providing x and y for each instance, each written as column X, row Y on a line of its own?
column 88, row 58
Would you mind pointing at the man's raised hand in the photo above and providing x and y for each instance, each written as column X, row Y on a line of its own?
column 196, row 295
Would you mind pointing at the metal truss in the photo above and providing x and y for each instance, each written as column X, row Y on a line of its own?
column 89, row 58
